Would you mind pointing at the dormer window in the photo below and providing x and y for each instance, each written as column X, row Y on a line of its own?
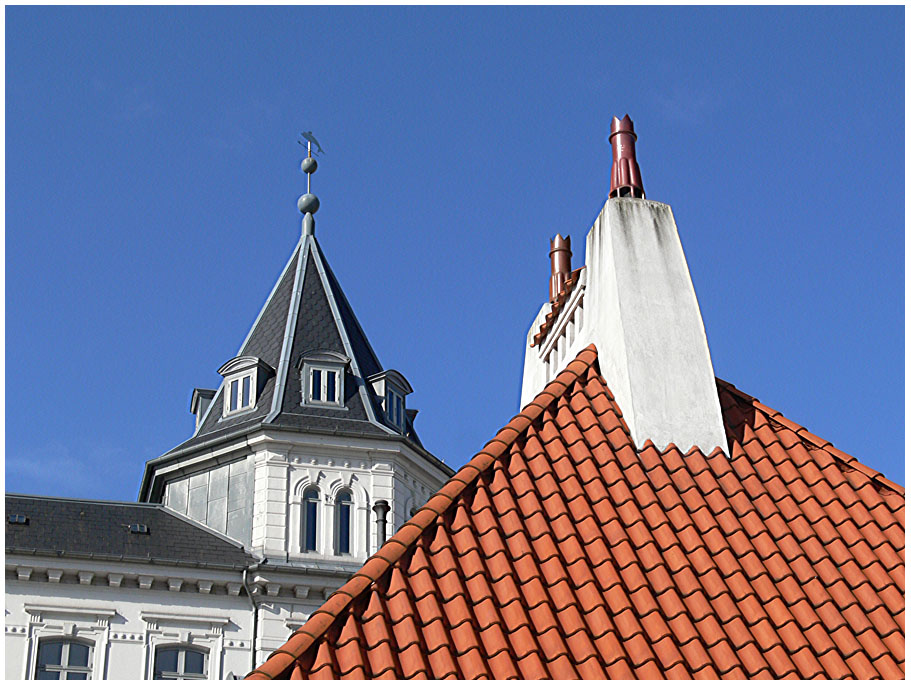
column 324, row 386
column 395, row 411
column 244, row 380
column 391, row 388
column 323, row 378
column 240, row 396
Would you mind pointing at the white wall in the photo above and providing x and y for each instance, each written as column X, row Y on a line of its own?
column 125, row 623
column 641, row 312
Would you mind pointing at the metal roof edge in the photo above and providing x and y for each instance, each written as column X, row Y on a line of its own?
column 284, row 362
column 321, row 267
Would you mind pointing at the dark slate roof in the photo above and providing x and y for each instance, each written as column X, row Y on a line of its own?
column 321, row 318
column 98, row 529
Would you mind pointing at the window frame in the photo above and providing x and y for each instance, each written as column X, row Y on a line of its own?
column 237, row 370
column 63, row 669
column 229, row 393
column 324, row 372
column 305, row 519
column 395, row 408
column 349, row 503
column 325, row 362
column 180, row 674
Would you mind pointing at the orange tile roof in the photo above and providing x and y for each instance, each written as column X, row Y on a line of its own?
column 557, row 306
column 560, row 551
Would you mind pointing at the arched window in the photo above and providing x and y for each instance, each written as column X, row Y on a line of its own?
column 343, row 522
column 63, row 658
column 309, row 524
column 180, row 662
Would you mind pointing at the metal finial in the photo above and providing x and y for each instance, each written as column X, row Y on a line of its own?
column 308, row 203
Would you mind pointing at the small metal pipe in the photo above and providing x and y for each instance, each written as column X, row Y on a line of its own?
column 243, row 581
column 561, row 256
column 381, row 509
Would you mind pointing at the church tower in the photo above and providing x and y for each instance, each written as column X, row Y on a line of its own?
column 306, row 453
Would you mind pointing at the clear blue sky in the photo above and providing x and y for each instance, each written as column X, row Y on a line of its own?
column 152, row 174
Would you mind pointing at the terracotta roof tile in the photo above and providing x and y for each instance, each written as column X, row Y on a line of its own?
column 560, row 551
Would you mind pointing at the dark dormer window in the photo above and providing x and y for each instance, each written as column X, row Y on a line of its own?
column 322, row 378
column 395, row 411
column 245, row 377
column 17, row 519
column 324, row 385
column 391, row 388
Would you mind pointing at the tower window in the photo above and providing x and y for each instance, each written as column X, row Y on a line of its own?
column 323, row 378
column 308, row 528
column 395, row 408
column 239, row 395
column 245, row 378
column 343, row 523
column 324, row 386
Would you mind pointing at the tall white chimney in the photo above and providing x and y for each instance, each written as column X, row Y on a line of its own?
column 635, row 301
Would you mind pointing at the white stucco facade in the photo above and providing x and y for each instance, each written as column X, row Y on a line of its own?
column 125, row 612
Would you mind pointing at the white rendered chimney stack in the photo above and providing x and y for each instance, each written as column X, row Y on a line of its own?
column 635, row 301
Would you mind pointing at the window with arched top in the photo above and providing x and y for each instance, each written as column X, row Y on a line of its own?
column 180, row 662
column 309, row 523
column 63, row 658
column 343, row 505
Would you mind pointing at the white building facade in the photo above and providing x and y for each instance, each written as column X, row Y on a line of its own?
column 303, row 461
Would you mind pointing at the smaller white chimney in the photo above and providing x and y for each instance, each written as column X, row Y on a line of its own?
column 635, row 301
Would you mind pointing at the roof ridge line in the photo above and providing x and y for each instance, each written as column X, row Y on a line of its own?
column 220, row 389
column 378, row 563
column 85, row 500
column 284, row 359
column 805, row 435
column 203, row 527
column 330, row 275
column 321, row 268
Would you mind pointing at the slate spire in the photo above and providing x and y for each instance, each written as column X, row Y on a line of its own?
column 307, row 312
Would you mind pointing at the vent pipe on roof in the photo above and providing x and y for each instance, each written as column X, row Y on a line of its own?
column 381, row 509
column 560, row 264
column 625, row 179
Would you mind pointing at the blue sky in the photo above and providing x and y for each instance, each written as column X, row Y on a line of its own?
column 152, row 174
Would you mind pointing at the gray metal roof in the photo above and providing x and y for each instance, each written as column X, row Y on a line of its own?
column 99, row 529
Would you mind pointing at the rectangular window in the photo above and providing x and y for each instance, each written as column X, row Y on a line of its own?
column 317, row 386
column 344, row 529
column 310, row 524
column 246, row 393
column 233, row 395
column 330, row 387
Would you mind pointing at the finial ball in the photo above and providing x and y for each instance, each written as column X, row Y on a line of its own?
column 308, row 203
column 308, row 166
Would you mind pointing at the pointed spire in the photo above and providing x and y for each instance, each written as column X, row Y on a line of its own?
column 308, row 203
column 625, row 179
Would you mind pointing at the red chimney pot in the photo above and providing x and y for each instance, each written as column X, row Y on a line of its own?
column 561, row 256
column 625, row 179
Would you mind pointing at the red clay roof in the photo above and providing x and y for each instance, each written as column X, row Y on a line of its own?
column 561, row 551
